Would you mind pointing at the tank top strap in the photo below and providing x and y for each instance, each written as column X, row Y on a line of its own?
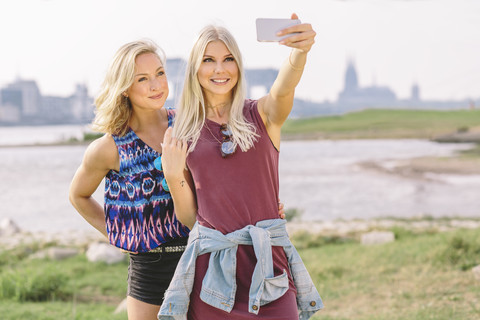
column 171, row 113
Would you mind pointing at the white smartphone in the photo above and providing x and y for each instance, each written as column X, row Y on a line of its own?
column 267, row 28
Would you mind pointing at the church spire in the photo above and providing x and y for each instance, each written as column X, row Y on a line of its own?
column 351, row 80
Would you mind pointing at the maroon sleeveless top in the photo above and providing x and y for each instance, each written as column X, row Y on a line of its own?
column 234, row 192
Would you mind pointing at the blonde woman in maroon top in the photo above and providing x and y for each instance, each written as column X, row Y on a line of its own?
column 230, row 145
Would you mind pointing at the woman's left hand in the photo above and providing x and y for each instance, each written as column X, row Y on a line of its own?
column 174, row 154
column 303, row 39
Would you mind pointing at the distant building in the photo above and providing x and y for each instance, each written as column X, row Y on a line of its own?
column 30, row 96
column 22, row 103
column 415, row 93
column 175, row 69
column 354, row 95
column 81, row 104
column 259, row 81
column 11, row 106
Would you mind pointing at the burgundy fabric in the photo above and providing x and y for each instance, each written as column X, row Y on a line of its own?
column 232, row 193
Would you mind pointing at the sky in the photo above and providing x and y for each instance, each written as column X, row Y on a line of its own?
column 393, row 43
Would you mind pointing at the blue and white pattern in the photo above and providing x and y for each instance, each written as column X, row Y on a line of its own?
column 138, row 211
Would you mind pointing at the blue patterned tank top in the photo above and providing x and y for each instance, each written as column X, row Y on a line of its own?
column 138, row 212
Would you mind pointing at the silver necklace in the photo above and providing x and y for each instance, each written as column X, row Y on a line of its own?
column 206, row 125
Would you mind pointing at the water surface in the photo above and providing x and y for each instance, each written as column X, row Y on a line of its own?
column 320, row 178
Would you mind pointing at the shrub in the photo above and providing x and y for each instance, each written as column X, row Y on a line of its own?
column 292, row 213
column 304, row 240
column 460, row 252
column 36, row 286
column 89, row 136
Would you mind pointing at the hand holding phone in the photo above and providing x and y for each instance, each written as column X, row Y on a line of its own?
column 267, row 28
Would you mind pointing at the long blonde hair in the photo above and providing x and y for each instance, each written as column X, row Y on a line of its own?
column 113, row 109
column 191, row 110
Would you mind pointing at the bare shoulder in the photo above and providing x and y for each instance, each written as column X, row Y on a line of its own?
column 102, row 153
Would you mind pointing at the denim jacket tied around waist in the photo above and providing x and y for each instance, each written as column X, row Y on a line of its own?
column 218, row 286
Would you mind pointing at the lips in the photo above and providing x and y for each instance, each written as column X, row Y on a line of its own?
column 219, row 81
column 158, row 96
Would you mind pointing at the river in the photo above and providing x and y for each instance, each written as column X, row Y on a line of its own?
column 322, row 179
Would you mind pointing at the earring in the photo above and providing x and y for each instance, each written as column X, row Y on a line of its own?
column 125, row 101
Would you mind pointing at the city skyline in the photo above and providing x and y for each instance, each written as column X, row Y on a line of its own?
column 392, row 43
column 21, row 102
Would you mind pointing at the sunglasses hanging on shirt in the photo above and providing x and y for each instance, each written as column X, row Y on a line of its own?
column 227, row 147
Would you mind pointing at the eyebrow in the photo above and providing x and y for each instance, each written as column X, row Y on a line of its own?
column 209, row 56
column 146, row 74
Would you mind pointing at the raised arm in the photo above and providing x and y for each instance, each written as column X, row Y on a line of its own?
column 275, row 107
column 179, row 179
column 100, row 156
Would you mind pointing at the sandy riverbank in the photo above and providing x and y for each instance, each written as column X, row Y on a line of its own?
column 82, row 239
column 420, row 168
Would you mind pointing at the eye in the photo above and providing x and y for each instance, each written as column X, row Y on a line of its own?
column 230, row 59
column 208, row 60
column 160, row 73
column 142, row 79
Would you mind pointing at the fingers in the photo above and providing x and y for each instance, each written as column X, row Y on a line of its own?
column 170, row 141
column 172, row 144
column 296, row 36
column 184, row 147
column 300, row 36
column 297, row 28
column 281, row 210
column 294, row 16
column 167, row 137
column 299, row 42
column 179, row 144
column 304, row 46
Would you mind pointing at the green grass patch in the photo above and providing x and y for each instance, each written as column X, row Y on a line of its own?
column 67, row 289
column 418, row 276
column 385, row 123
column 411, row 278
column 90, row 136
column 462, row 251
column 471, row 153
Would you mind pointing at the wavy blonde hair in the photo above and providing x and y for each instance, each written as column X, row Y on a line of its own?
column 191, row 110
column 113, row 109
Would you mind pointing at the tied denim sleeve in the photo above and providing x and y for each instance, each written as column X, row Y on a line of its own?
column 219, row 286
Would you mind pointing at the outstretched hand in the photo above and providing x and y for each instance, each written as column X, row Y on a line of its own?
column 303, row 39
column 174, row 156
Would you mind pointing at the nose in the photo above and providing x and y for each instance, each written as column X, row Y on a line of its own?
column 219, row 67
column 155, row 84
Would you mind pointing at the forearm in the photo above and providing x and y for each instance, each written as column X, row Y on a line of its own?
column 91, row 211
column 279, row 101
column 289, row 75
column 184, row 201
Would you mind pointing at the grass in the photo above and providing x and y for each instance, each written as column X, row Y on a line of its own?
column 68, row 289
column 371, row 124
column 419, row 276
column 422, row 276
column 384, row 123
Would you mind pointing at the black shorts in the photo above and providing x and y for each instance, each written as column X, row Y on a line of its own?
column 149, row 275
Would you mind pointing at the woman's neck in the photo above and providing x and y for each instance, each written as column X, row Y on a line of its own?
column 218, row 110
column 145, row 121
